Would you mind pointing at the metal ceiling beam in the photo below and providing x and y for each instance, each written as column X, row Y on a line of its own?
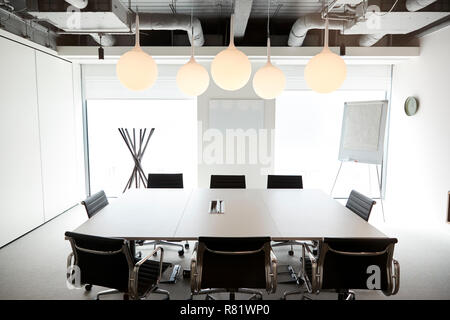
column 242, row 9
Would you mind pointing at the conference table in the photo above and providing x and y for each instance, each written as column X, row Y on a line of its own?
column 184, row 214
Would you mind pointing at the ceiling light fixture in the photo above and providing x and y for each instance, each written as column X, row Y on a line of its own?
column 231, row 68
column 269, row 81
column 192, row 78
column 326, row 71
column 136, row 69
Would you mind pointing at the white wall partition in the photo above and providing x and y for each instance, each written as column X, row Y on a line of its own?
column 39, row 164
column 21, row 207
column 419, row 153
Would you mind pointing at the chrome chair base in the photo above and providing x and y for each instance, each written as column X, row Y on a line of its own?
column 255, row 294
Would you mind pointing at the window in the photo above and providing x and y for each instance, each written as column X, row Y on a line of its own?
column 307, row 138
column 172, row 148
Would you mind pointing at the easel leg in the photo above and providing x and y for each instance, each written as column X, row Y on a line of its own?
column 335, row 180
column 381, row 195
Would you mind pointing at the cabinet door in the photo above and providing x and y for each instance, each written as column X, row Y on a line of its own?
column 57, row 129
column 21, row 206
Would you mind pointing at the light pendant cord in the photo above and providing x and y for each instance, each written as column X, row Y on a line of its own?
column 137, row 31
column 268, row 31
column 192, row 30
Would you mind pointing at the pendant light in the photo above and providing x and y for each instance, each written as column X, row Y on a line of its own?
column 326, row 71
column 231, row 68
column 269, row 81
column 192, row 78
column 136, row 69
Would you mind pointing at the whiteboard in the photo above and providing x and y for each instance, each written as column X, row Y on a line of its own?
column 363, row 130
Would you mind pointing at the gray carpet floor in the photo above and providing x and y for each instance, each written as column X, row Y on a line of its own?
column 34, row 266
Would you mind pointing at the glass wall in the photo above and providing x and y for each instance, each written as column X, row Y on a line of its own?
column 307, row 139
column 172, row 148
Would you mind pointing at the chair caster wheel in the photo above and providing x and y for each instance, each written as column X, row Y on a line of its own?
column 186, row 274
column 291, row 252
column 181, row 252
column 186, row 245
column 88, row 287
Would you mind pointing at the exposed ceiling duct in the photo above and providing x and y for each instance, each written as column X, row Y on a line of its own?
column 116, row 19
column 80, row 4
column 357, row 22
column 414, row 5
column 162, row 21
column 242, row 9
column 305, row 23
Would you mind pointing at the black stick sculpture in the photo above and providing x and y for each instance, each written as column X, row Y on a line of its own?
column 137, row 150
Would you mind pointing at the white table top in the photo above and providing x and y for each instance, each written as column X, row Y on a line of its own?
column 182, row 214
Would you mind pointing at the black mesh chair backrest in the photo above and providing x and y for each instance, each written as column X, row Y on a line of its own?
column 165, row 180
column 102, row 261
column 227, row 182
column 233, row 263
column 284, row 182
column 347, row 262
column 360, row 204
column 95, row 203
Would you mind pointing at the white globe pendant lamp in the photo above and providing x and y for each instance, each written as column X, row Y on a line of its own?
column 326, row 71
column 192, row 78
column 136, row 69
column 269, row 81
column 231, row 68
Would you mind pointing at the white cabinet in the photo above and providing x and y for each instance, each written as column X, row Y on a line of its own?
column 38, row 160
column 57, row 132
column 21, row 207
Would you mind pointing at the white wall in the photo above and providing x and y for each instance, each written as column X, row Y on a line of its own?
column 39, row 162
column 418, row 178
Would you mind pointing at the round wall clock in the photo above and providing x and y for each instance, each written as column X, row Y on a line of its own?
column 411, row 106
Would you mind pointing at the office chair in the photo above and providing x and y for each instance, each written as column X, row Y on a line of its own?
column 360, row 204
column 344, row 264
column 285, row 182
column 233, row 265
column 227, row 181
column 108, row 262
column 169, row 181
column 95, row 203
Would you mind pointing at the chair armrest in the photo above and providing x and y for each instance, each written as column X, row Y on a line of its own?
column 273, row 271
column 134, row 278
column 69, row 265
column 195, row 286
column 396, row 276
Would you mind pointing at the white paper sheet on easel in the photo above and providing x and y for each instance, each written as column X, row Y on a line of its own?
column 363, row 128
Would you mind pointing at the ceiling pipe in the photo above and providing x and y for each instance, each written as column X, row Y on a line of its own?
column 105, row 40
column 414, row 5
column 242, row 10
column 80, row 4
column 368, row 40
column 164, row 21
column 161, row 21
column 305, row 23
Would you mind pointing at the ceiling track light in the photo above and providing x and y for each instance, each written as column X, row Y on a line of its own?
column 231, row 68
column 136, row 69
column 326, row 71
column 269, row 81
